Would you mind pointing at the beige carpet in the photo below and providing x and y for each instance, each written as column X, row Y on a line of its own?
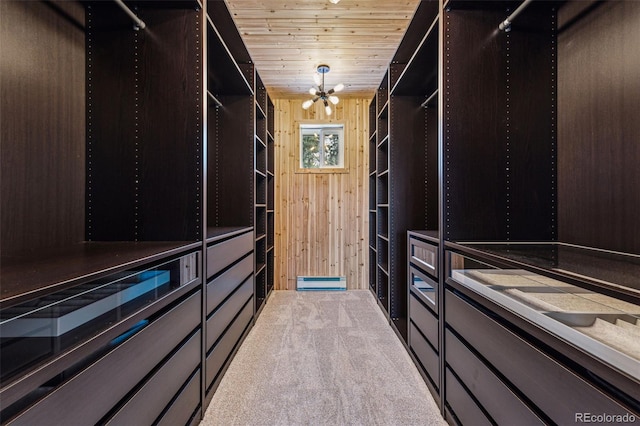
column 322, row 358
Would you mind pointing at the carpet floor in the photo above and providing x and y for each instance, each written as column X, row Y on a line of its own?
column 322, row 358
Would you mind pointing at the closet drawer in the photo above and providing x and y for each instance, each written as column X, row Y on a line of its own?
column 424, row 288
column 424, row 256
column 170, row 378
column 424, row 320
column 557, row 391
column 461, row 403
column 425, row 354
column 75, row 402
column 221, row 287
column 494, row 396
column 182, row 409
column 227, row 312
column 220, row 353
column 221, row 255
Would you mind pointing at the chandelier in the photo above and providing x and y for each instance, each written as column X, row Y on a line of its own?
column 320, row 93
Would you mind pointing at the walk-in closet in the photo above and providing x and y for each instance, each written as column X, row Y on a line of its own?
column 171, row 171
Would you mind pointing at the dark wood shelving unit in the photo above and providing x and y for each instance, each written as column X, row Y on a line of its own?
column 104, row 176
column 141, row 149
column 271, row 176
column 264, row 197
column 505, row 159
column 405, row 158
column 521, row 165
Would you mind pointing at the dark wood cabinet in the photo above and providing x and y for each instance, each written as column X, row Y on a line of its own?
column 423, row 295
column 510, row 159
column 405, row 160
column 125, row 149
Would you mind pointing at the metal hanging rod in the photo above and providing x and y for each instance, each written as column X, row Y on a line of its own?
column 138, row 23
column 506, row 24
column 425, row 104
column 214, row 99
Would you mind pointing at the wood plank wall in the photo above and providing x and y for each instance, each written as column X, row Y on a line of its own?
column 321, row 220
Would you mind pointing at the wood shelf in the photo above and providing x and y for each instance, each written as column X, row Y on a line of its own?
column 37, row 273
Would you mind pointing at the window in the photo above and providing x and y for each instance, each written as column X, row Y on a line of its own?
column 322, row 146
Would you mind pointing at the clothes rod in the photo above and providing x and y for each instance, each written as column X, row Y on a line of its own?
column 506, row 24
column 214, row 99
column 138, row 23
column 426, row 102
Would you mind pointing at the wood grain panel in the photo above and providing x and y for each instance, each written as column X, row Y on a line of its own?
column 321, row 220
column 42, row 148
column 288, row 39
column 598, row 128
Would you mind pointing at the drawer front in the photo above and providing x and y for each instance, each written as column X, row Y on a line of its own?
column 220, row 353
column 227, row 312
column 494, row 396
column 424, row 320
column 557, row 391
column 75, row 402
column 182, row 409
column 424, row 288
column 425, row 354
column 170, row 378
column 424, row 256
column 461, row 403
column 221, row 255
column 221, row 287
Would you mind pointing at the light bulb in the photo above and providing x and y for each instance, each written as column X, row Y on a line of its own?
column 338, row 88
column 334, row 100
column 317, row 78
column 313, row 91
column 335, row 1
column 327, row 109
column 306, row 104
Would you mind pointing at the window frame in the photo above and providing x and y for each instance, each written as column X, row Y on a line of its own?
column 300, row 125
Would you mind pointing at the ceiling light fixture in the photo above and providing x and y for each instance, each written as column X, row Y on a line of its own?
column 335, row 1
column 320, row 93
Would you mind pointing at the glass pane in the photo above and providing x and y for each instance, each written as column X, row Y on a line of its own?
column 331, row 149
column 40, row 329
column 607, row 327
column 311, row 149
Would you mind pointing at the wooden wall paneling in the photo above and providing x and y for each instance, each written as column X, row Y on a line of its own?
column 431, row 162
column 530, row 125
column 144, row 166
column 321, row 219
column 499, row 133
column 598, row 129
column 474, row 138
column 42, row 131
column 230, row 162
column 170, row 125
column 111, row 116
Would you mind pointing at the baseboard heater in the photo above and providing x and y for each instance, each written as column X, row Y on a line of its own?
column 321, row 283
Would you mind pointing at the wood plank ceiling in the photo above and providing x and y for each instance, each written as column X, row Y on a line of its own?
column 288, row 39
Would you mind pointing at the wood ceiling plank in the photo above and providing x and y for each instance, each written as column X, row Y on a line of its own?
column 287, row 39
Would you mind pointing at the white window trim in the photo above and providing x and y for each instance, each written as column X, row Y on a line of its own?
column 322, row 124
